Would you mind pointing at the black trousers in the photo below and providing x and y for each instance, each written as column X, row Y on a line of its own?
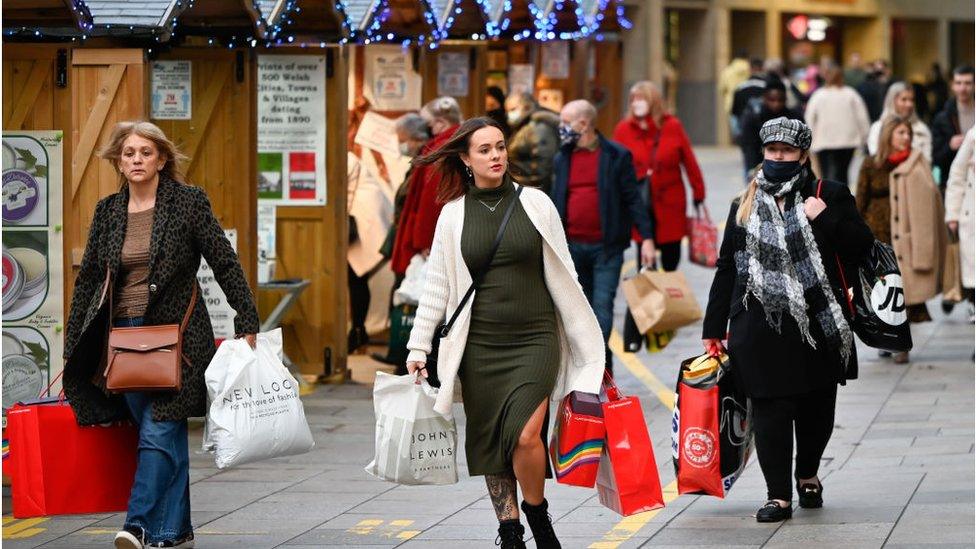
column 834, row 163
column 811, row 417
column 358, row 298
column 670, row 255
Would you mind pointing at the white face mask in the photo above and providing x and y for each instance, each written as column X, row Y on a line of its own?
column 640, row 107
column 514, row 116
column 405, row 149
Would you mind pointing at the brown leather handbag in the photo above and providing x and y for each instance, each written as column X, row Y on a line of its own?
column 147, row 358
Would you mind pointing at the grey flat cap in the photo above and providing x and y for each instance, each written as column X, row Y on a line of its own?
column 785, row 130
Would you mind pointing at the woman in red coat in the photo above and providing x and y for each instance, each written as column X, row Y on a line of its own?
column 415, row 233
column 660, row 148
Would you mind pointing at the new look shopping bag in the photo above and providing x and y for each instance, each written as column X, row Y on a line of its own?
column 60, row 468
column 661, row 301
column 627, row 480
column 414, row 444
column 255, row 410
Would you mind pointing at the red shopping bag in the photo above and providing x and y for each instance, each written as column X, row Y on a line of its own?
column 627, row 480
column 577, row 440
column 703, row 238
column 59, row 468
column 711, row 428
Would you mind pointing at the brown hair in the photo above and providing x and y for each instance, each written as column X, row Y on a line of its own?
column 834, row 76
column 447, row 159
column 888, row 127
column 112, row 151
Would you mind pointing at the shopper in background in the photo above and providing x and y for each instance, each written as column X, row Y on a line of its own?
column 661, row 165
column 959, row 200
column 778, row 295
column 854, row 74
column 839, row 120
column 900, row 102
column 732, row 75
column 150, row 236
column 773, row 106
column 952, row 123
column 901, row 203
column 937, row 90
column 534, row 141
column 775, row 68
column 495, row 108
column 874, row 88
column 598, row 200
column 415, row 231
column 748, row 94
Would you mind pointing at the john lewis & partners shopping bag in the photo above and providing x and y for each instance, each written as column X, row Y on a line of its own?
column 414, row 444
column 59, row 468
column 711, row 436
column 255, row 410
column 627, row 480
column 577, row 440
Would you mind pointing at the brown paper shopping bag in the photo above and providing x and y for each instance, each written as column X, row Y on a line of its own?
column 952, row 274
column 661, row 301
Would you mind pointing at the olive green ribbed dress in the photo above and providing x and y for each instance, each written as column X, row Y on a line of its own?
column 511, row 358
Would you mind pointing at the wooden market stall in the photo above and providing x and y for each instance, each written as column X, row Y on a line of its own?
column 463, row 26
column 311, row 240
column 606, row 23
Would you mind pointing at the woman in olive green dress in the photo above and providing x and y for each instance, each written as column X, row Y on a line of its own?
column 512, row 347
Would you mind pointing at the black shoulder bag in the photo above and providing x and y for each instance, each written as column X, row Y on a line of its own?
column 445, row 329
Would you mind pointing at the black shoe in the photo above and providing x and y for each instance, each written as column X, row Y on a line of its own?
column 510, row 534
column 183, row 542
column 772, row 512
column 540, row 522
column 380, row 357
column 948, row 306
column 811, row 495
column 357, row 339
column 130, row 537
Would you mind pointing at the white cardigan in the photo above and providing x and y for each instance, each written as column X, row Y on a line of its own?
column 959, row 206
column 838, row 119
column 581, row 341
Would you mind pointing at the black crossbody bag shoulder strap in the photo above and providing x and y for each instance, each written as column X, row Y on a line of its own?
column 444, row 329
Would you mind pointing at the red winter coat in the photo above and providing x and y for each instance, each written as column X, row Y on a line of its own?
column 415, row 233
column 667, row 187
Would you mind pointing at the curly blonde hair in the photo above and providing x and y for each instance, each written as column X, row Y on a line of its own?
column 112, row 151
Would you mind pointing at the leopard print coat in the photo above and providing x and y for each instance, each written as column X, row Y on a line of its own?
column 184, row 229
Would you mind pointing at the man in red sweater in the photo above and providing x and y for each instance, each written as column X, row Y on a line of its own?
column 596, row 193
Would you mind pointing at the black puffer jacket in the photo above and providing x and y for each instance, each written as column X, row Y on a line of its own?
column 184, row 229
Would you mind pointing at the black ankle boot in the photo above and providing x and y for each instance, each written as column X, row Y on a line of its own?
column 541, row 524
column 357, row 339
column 510, row 534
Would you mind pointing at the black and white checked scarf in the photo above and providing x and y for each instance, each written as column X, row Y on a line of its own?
column 783, row 267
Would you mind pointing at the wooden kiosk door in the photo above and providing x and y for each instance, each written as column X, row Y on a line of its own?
column 107, row 86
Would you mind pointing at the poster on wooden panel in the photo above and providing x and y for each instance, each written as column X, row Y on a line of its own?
column 521, row 78
column 452, row 73
column 555, row 60
column 221, row 313
column 291, row 130
column 33, row 274
column 389, row 81
column 171, row 90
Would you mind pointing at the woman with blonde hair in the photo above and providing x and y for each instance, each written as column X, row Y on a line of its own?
column 139, row 269
column 901, row 203
column 900, row 102
column 779, row 300
column 660, row 148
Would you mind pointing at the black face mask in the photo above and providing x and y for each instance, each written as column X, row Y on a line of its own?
column 778, row 171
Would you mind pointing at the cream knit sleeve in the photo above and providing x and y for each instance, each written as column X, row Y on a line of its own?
column 433, row 303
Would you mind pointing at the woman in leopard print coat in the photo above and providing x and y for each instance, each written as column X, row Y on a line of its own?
column 178, row 227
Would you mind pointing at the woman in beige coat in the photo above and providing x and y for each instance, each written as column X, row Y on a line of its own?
column 918, row 234
column 959, row 213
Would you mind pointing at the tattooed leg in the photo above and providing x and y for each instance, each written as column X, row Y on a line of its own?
column 502, row 489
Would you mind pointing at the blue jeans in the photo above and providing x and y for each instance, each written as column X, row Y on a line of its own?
column 599, row 275
column 159, row 502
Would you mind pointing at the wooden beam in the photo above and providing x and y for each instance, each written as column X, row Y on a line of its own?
column 40, row 73
column 93, row 125
column 202, row 118
column 125, row 56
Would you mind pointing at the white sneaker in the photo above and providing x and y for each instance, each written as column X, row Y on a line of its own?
column 130, row 538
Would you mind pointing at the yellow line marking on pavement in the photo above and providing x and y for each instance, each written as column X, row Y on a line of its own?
column 641, row 371
column 365, row 527
column 8, row 520
column 98, row 531
column 22, row 529
column 407, row 534
column 629, row 526
column 401, row 522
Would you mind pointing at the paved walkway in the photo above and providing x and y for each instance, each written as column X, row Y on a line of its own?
column 899, row 471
